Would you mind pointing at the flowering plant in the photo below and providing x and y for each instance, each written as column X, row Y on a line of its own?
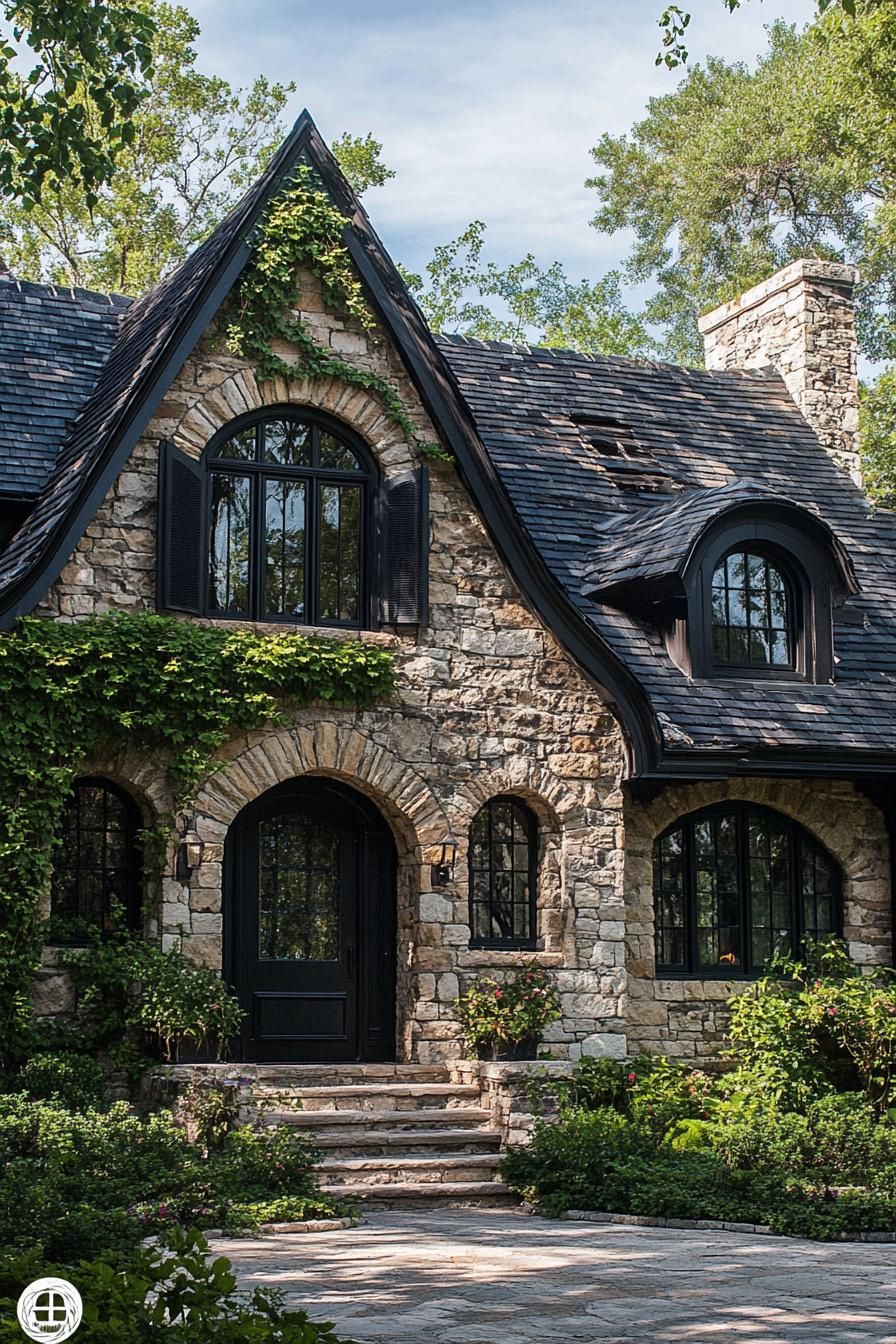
column 509, row 1010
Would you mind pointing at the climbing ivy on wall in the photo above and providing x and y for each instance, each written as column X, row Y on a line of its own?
column 303, row 229
column 70, row 691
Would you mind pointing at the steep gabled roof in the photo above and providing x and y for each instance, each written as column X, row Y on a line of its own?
column 155, row 336
column 53, row 345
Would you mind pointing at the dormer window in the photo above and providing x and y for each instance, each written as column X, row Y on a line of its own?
column 753, row 612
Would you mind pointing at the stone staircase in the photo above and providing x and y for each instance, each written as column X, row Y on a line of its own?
column 391, row 1134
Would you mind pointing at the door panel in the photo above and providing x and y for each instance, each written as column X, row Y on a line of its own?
column 310, row 931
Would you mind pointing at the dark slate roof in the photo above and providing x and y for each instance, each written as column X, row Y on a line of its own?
column 53, row 345
column 656, row 543
column 713, row 432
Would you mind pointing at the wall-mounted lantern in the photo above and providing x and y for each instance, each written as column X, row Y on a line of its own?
column 443, row 868
column 189, row 851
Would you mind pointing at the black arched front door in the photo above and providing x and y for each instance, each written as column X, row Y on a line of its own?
column 310, row 925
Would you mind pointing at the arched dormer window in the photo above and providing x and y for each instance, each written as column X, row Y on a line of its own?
column 503, row 866
column 286, row 518
column 96, row 865
column 754, row 612
column 734, row 883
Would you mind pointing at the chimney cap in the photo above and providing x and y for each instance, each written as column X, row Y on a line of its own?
column 837, row 274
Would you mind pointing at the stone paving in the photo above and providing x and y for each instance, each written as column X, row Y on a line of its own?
column 478, row 1276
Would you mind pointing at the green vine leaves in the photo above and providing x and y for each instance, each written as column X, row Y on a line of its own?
column 170, row 687
column 303, row 229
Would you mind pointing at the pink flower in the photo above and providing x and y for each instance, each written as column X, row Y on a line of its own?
column 632, row 1077
column 499, row 993
column 832, row 1012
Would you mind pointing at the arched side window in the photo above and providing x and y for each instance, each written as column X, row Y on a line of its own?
column 734, row 883
column 288, row 522
column 96, row 865
column 754, row 612
column 503, row 860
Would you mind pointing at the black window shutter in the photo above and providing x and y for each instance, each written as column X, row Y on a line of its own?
column 182, row 566
column 404, row 549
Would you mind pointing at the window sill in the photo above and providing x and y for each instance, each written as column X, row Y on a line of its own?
column 512, row 956
column 383, row 637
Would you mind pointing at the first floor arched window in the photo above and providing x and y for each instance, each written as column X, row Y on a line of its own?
column 735, row 883
column 503, row 866
column 95, row 861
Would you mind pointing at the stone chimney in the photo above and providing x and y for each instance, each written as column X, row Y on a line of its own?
column 802, row 322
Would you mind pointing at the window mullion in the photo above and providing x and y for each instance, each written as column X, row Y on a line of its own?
column 690, row 893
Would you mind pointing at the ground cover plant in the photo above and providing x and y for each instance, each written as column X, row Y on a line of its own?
column 81, row 1175
column 799, row 1133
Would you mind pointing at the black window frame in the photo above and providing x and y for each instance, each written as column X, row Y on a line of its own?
column 530, row 821
column 797, row 835
column 773, row 558
column 314, row 476
column 133, row 904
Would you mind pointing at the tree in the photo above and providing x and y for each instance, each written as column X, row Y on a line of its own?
column 878, row 422
column 674, row 22
column 738, row 171
column 72, row 77
column 523, row 303
column 197, row 144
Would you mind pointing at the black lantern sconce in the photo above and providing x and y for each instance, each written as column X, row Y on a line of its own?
column 189, row 851
column 442, row 871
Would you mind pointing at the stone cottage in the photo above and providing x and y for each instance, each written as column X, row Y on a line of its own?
column 643, row 618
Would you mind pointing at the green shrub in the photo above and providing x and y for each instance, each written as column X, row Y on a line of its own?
column 175, row 1294
column 74, row 1081
column 509, row 1010
column 84, row 1183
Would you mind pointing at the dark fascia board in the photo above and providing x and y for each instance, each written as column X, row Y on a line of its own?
column 448, row 411
column 777, row 506
column 24, row 596
column 846, row 762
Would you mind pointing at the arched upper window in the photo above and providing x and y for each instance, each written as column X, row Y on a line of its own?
column 753, row 612
column 733, row 884
column 95, row 862
column 288, row 528
column 503, row 861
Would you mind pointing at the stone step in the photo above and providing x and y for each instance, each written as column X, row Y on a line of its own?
column 383, row 1096
column 389, row 1142
column 436, row 1168
column 407, row 1193
column 280, row 1077
column 369, row 1121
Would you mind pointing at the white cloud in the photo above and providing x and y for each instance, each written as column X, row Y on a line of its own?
column 486, row 110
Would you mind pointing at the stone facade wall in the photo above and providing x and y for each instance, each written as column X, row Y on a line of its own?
column 487, row 704
column 801, row 321
column 686, row 1017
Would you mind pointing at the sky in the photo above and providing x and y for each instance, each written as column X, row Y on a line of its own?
column 486, row 109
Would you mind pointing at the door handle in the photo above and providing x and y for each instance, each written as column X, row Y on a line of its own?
column 349, row 959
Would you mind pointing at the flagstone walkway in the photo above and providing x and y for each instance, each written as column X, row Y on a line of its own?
column 471, row 1276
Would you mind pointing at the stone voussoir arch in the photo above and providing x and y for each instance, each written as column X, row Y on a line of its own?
column 239, row 392
column 334, row 750
column 553, row 802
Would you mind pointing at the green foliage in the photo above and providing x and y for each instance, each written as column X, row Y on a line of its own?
column 801, row 1135
column 674, row 22
column 172, row 687
column 509, row 1010
column 130, row 997
column 820, row 1026
column 174, row 1294
column 76, row 1082
column 71, row 81
column 739, row 171
column 543, row 307
column 877, row 438
column 303, row 229
column 198, row 143
column 81, row 1183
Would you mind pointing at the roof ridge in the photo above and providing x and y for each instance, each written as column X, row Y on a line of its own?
column 597, row 356
column 11, row 281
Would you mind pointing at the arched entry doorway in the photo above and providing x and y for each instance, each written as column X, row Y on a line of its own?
column 309, row 924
